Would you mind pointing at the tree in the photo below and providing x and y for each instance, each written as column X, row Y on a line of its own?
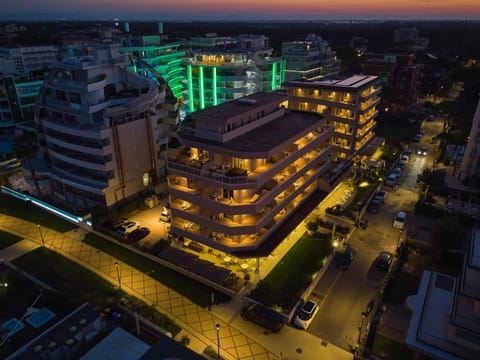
column 26, row 148
column 446, row 234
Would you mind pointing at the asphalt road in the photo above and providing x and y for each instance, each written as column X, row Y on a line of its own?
column 344, row 295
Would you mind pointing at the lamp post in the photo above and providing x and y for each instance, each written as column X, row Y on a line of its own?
column 118, row 276
column 217, row 327
column 41, row 234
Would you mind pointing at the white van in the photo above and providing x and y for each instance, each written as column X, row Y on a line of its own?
column 400, row 220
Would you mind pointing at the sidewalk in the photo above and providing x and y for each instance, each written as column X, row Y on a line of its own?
column 196, row 322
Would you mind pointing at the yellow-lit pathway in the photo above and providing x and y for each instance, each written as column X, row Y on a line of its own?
column 196, row 322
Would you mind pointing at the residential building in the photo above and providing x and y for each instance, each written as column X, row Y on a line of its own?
column 100, row 130
column 28, row 61
column 401, row 74
column 445, row 317
column 405, row 35
column 469, row 169
column 17, row 100
column 310, row 59
column 210, row 40
column 219, row 74
column 244, row 167
column 348, row 104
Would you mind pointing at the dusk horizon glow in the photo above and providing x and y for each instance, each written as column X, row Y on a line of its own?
column 170, row 10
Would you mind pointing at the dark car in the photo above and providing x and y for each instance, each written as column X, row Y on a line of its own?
column 380, row 196
column 263, row 316
column 374, row 206
column 139, row 234
column 384, row 260
column 346, row 257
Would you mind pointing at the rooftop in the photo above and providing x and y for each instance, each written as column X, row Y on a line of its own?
column 266, row 139
column 352, row 82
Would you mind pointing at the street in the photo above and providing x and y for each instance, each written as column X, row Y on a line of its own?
column 344, row 294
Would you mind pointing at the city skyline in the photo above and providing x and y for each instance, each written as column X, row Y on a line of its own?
column 166, row 10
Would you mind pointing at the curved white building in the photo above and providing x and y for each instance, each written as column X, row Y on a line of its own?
column 100, row 129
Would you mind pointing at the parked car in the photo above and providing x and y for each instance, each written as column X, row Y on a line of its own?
column 165, row 215
column 374, row 206
column 400, row 220
column 306, row 314
column 263, row 316
column 138, row 234
column 391, row 180
column 422, row 151
column 119, row 222
column 407, row 153
column 399, row 166
column 346, row 257
column 404, row 159
column 380, row 196
column 396, row 171
column 430, row 118
column 12, row 165
column 383, row 260
column 128, row 227
column 369, row 308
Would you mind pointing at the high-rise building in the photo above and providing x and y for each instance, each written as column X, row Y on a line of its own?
column 243, row 169
column 310, row 59
column 100, row 130
column 218, row 74
column 469, row 169
column 348, row 104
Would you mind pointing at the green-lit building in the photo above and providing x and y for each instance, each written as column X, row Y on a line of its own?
column 217, row 75
column 165, row 59
column 17, row 99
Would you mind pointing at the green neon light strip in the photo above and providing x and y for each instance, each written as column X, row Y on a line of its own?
column 190, row 88
column 201, row 88
column 214, row 80
column 274, row 76
column 282, row 73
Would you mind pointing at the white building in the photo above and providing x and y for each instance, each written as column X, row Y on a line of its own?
column 25, row 61
column 100, row 130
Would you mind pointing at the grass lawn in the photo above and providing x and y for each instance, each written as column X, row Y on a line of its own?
column 198, row 293
column 391, row 349
column 7, row 239
column 284, row 285
column 27, row 211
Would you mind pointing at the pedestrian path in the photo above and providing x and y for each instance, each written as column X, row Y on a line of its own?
column 197, row 322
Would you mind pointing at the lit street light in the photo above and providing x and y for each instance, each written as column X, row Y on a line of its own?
column 118, row 276
column 41, row 234
column 217, row 327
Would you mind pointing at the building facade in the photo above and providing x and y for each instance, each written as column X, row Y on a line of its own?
column 348, row 104
column 99, row 130
column 17, row 100
column 469, row 169
column 219, row 74
column 28, row 61
column 244, row 167
column 311, row 59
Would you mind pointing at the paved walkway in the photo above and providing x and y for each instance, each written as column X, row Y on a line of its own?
column 197, row 323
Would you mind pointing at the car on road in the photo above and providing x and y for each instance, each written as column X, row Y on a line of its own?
column 417, row 137
column 407, row 153
column 396, row 171
column 374, row 206
column 384, row 260
column 128, row 227
column 346, row 257
column 138, row 234
column 306, row 314
column 165, row 215
column 380, row 196
column 391, row 180
column 400, row 220
column 404, row 159
column 263, row 316
column 422, row 151
column 119, row 222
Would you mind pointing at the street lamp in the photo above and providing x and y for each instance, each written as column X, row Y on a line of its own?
column 118, row 276
column 217, row 327
column 41, row 234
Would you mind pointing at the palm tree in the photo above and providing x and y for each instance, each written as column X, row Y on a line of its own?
column 26, row 148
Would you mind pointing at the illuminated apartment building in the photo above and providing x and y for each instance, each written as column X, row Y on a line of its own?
column 348, row 104
column 244, row 167
column 217, row 75
column 99, row 130
column 310, row 59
